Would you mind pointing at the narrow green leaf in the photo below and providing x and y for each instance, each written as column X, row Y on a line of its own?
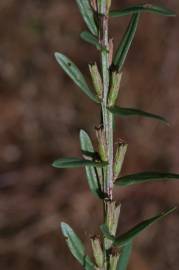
column 124, row 257
column 135, row 112
column 126, row 41
column 91, row 173
column 76, row 247
column 71, row 69
column 88, row 37
column 74, row 162
column 87, row 14
column 144, row 177
column 128, row 236
column 142, row 8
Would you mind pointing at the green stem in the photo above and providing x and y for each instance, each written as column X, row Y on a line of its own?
column 107, row 116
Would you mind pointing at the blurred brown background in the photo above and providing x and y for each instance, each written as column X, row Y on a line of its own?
column 41, row 113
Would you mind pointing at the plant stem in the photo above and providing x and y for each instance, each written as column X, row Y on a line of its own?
column 107, row 116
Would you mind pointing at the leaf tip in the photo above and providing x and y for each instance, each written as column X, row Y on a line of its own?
column 171, row 210
column 172, row 13
column 64, row 228
column 56, row 54
column 82, row 132
column 63, row 225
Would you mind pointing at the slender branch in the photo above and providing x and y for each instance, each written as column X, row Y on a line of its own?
column 107, row 116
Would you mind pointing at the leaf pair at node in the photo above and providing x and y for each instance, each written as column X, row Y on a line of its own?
column 124, row 241
column 71, row 69
column 91, row 162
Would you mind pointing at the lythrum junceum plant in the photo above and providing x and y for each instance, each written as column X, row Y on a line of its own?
column 103, row 165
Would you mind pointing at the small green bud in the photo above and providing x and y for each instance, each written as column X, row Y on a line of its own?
column 113, row 259
column 112, row 216
column 102, row 147
column 97, row 251
column 114, row 90
column 111, row 220
column 96, row 78
column 119, row 159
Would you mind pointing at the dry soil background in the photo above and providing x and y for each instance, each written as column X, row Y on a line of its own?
column 41, row 113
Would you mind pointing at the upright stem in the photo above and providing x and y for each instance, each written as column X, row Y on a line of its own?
column 107, row 116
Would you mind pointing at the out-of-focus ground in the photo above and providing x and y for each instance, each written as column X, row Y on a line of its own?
column 41, row 113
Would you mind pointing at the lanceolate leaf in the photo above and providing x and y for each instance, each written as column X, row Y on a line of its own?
column 126, row 42
column 124, row 257
column 71, row 69
column 142, row 8
column 135, row 112
column 125, row 238
column 76, row 247
column 87, row 14
column 91, row 173
column 128, row 236
column 144, row 177
column 76, row 162
column 88, row 37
